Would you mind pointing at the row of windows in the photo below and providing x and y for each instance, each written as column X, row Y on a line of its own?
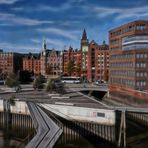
column 115, row 41
column 141, row 27
column 142, row 55
column 130, row 28
column 123, row 73
column 135, row 38
column 122, row 81
column 141, row 84
column 6, row 54
column 141, row 74
column 141, row 65
column 126, row 56
column 135, row 46
column 121, row 31
column 129, row 73
column 119, row 65
column 128, row 65
column 115, row 48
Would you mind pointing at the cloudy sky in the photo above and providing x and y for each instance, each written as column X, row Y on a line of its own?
column 25, row 23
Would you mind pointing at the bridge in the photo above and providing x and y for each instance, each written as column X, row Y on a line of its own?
column 47, row 131
column 87, row 87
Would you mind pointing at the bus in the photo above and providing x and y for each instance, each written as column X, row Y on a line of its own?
column 71, row 80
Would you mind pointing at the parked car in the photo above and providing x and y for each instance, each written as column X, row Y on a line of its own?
column 98, row 82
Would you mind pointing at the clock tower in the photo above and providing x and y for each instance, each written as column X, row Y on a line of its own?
column 44, row 58
column 84, row 42
column 84, row 54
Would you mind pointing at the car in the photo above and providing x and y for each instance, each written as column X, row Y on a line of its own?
column 98, row 82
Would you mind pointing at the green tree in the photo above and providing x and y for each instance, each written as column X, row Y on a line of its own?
column 78, row 69
column 70, row 67
column 13, row 81
column 50, row 85
column 38, row 83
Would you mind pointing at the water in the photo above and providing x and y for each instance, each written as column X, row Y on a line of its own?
column 14, row 138
column 18, row 133
column 71, row 141
column 21, row 132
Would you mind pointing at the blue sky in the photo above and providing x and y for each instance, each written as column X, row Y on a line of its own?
column 25, row 23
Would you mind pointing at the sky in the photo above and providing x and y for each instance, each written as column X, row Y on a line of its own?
column 24, row 24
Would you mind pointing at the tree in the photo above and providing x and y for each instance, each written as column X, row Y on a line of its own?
column 13, row 81
column 55, row 85
column 38, row 83
column 78, row 69
column 50, row 85
column 70, row 67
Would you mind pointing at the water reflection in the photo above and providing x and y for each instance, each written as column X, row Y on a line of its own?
column 16, row 134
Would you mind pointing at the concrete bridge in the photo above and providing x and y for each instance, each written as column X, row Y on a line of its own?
column 87, row 87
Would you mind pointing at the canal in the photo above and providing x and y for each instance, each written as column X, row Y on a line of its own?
column 77, row 134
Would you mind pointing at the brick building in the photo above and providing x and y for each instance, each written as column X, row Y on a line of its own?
column 129, row 61
column 10, row 62
column 95, row 60
column 51, row 61
column 72, row 56
column 31, row 63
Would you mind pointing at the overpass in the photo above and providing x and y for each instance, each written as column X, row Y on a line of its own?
column 87, row 87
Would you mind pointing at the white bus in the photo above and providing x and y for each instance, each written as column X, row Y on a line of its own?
column 71, row 80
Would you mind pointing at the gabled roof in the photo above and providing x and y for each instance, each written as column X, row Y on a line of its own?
column 93, row 42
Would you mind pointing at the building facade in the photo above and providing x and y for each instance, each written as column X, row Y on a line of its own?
column 10, row 62
column 72, row 62
column 31, row 63
column 129, row 60
column 51, row 61
column 98, row 62
column 95, row 60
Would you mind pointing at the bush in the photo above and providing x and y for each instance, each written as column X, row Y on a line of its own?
column 38, row 83
column 50, row 85
column 12, row 80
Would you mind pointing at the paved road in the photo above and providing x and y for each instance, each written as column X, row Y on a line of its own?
column 76, row 98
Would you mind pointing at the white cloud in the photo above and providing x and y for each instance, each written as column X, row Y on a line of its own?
column 121, row 13
column 51, row 43
column 18, row 8
column 8, row 1
column 60, row 32
column 11, row 18
column 7, row 46
column 42, row 7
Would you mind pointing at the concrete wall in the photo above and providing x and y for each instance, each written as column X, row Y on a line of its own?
column 101, row 116
column 19, row 107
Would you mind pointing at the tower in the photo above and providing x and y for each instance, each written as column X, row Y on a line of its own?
column 44, row 47
column 44, row 58
column 84, row 42
column 84, row 55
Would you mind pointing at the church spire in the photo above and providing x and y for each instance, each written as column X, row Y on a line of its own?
column 84, row 36
column 44, row 44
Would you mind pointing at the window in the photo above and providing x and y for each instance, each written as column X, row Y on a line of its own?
column 100, row 114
